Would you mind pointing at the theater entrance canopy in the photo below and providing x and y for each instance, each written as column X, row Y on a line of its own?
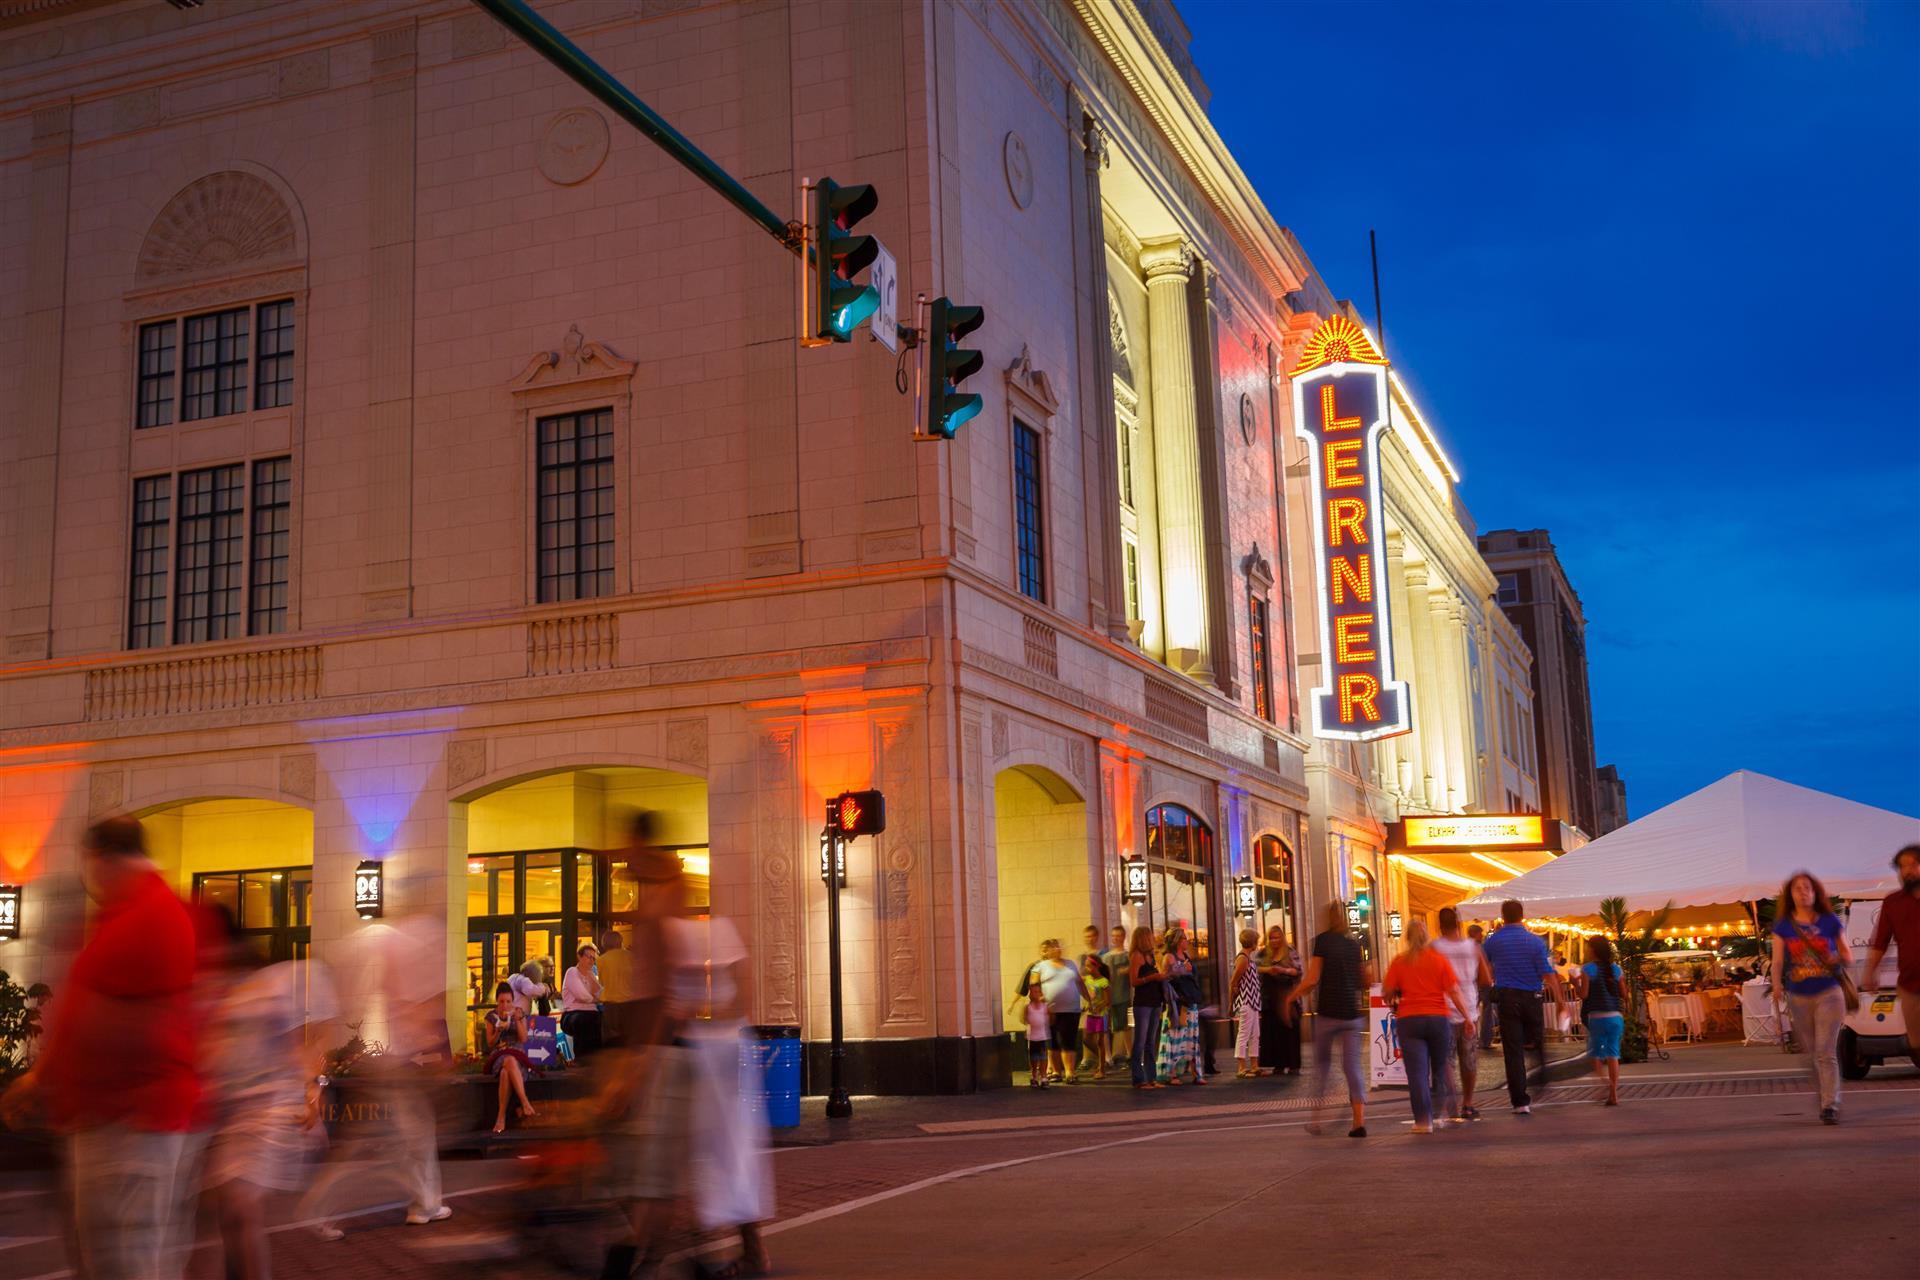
column 1457, row 855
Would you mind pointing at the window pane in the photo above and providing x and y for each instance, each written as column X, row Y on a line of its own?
column 272, row 525
column 256, row 900
column 209, row 561
column 221, row 891
column 147, row 606
column 273, row 371
column 1262, row 669
column 490, row 885
column 575, row 545
column 299, row 894
column 157, row 353
column 583, row 882
column 216, row 365
column 543, row 884
column 1027, row 512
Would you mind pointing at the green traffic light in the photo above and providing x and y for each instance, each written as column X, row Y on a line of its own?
column 852, row 306
column 949, row 408
column 839, row 306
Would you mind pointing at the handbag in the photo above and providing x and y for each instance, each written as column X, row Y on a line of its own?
column 1848, row 991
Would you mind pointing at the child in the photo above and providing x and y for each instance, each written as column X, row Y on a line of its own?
column 1099, row 1004
column 1039, row 1024
column 1245, row 986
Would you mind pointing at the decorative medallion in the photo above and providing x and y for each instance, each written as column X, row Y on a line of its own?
column 1246, row 417
column 574, row 148
column 1019, row 167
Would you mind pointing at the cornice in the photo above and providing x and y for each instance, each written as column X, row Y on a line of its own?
column 1123, row 35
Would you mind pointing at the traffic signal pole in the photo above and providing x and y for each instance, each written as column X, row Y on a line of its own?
column 539, row 34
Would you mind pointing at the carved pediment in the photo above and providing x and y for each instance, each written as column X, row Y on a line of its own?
column 219, row 224
column 576, row 360
column 1032, row 383
column 1258, row 571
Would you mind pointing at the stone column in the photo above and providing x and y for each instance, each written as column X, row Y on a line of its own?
column 1466, row 753
column 1106, row 564
column 390, row 299
column 1450, row 691
column 1430, row 718
column 1407, row 770
column 1176, row 458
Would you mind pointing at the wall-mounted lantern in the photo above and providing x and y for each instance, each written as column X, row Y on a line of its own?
column 369, row 889
column 1133, row 873
column 10, row 896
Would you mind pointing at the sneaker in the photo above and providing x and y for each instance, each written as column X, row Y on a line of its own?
column 1470, row 1113
column 1829, row 1116
column 328, row 1232
column 1358, row 1131
column 1423, row 1128
column 1523, row 1111
column 418, row 1219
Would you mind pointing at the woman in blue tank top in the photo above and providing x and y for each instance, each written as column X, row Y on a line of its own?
column 1602, row 998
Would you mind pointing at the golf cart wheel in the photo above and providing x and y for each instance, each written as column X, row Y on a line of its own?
column 1852, row 1065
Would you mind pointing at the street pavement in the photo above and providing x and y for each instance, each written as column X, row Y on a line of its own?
column 1715, row 1165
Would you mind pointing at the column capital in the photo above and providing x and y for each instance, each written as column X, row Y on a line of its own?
column 1167, row 259
column 1093, row 141
column 1396, row 544
column 1417, row 576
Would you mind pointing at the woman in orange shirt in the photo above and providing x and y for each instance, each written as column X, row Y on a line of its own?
column 1421, row 982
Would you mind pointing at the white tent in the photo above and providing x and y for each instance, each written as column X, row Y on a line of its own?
column 1727, row 843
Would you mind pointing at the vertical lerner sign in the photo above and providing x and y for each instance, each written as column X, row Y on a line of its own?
column 1340, row 410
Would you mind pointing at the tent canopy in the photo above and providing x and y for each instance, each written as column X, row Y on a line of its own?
column 1731, row 842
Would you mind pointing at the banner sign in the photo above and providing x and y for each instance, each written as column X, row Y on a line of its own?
column 1340, row 409
column 1477, row 831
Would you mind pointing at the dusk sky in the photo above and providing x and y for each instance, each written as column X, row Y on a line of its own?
column 1654, row 271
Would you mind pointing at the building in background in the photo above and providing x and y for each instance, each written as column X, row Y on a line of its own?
column 1466, row 668
column 407, row 463
column 1611, row 800
column 1535, row 593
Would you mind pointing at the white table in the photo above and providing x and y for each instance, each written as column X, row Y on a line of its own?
column 1687, row 1007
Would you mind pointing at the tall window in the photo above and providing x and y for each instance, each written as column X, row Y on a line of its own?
column 1179, row 876
column 152, row 523
column 223, row 352
column 273, row 371
column 1509, row 592
column 576, row 506
column 1130, row 546
column 1262, row 659
column 207, row 563
column 272, row 526
column 226, row 543
column 216, row 382
column 1027, row 512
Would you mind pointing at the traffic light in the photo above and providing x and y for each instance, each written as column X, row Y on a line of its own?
column 858, row 813
column 948, row 408
column 838, row 304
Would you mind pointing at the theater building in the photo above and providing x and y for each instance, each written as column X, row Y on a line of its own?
column 407, row 466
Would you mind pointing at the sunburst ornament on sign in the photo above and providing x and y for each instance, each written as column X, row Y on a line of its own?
column 1338, row 341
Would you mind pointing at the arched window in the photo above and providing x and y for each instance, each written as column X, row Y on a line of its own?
column 1273, row 879
column 1179, row 885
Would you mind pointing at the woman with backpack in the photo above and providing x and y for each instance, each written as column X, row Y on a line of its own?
column 1602, row 1000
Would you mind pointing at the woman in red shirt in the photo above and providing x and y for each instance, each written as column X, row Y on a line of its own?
column 1421, row 982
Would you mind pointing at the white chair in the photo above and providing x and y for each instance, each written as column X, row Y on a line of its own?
column 1760, row 1021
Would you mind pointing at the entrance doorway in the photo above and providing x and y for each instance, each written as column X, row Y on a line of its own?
column 1040, row 847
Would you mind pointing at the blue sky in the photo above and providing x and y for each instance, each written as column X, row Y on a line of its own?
column 1654, row 269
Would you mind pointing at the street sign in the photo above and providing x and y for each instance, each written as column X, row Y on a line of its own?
column 885, row 276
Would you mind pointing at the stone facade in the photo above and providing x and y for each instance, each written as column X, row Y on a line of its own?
column 798, row 599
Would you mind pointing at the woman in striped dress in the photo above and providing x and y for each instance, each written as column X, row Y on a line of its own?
column 1245, row 986
column 1180, row 1045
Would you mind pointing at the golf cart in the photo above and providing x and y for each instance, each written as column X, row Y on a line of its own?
column 1875, row 1032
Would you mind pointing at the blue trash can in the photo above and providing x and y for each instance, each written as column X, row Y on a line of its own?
column 774, row 1052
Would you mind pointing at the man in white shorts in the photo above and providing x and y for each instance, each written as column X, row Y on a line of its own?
column 1470, row 967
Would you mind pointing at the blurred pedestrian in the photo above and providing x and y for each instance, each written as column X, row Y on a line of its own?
column 1066, row 999
column 1477, row 936
column 1039, row 1019
column 1089, row 946
column 507, row 1057
column 1809, row 954
column 1279, row 974
column 392, row 974
column 1421, row 985
column 580, row 1001
column 615, row 969
column 1119, row 1014
column 1470, row 967
column 117, row 1075
column 1093, row 1027
column 263, row 1077
column 1244, row 984
column 1180, row 1039
column 1900, row 923
column 1149, row 987
column 532, row 986
column 1521, row 968
column 1338, row 971
column 1597, row 985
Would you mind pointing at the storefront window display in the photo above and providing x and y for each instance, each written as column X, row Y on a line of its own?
column 1179, row 884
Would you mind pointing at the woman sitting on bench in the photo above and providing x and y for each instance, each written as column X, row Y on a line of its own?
column 507, row 1055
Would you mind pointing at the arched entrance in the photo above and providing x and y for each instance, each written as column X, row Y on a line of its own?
column 1180, row 884
column 1040, row 846
column 1274, row 890
column 540, row 878
column 251, row 858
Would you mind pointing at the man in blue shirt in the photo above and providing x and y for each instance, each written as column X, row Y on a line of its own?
column 1521, row 967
